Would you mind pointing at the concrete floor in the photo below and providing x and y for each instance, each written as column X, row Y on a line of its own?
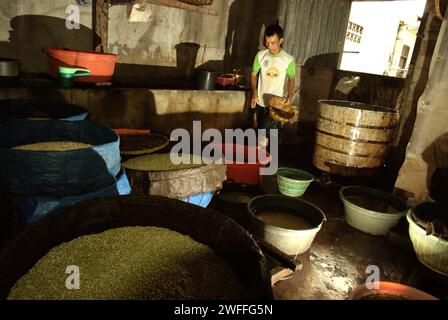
column 337, row 260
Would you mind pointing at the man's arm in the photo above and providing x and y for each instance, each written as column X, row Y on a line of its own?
column 291, row 84
column 254, row 82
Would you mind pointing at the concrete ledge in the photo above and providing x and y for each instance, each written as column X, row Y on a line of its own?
column 161, row 110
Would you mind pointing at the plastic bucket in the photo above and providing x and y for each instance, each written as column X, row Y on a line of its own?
column 206, row 80
column 247, row 172
column 293, row 182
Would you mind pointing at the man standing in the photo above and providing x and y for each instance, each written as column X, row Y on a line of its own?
column 273, row 74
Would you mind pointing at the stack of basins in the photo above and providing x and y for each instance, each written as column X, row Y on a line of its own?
column 49, row 164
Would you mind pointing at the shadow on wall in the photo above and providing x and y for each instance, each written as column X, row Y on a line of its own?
column 324, row 60
column 245, row 30
column 31, row 33
column 436, row 157
column 181, row 77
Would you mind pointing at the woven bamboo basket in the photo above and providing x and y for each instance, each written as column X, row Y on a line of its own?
column 134, row 144
column 280, row 115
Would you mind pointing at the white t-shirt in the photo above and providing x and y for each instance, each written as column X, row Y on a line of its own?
column 273, row 69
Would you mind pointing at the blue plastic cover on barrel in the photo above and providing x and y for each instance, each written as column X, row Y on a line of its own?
column 34, row 208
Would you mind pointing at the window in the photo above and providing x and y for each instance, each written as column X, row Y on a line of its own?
column 354, row 32
column 403, row 60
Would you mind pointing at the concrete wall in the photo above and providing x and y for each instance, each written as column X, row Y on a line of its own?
column 224, row 41
column 148, row 47
column 27, row 26
column 160, row 110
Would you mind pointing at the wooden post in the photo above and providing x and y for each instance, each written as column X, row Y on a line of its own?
column 100, row 23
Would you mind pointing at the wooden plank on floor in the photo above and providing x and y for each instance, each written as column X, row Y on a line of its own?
column 280, row 274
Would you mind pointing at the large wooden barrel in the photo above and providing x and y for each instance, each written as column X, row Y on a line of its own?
column 352, row 138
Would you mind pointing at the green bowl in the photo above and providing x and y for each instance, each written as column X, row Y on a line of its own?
column 293, row 182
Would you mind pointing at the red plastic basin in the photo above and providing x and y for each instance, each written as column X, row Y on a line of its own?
column 392, row 289
column 247, row 173
column 101, row 65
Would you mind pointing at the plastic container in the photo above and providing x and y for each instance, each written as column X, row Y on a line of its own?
column 67, row 75
column 431, row 250
column 290, row 241
column 371, row 211
column 392, row 289
column 101, row 65
column 293, row 182
column 201, row 199
column 206, row 80
column 246, row 172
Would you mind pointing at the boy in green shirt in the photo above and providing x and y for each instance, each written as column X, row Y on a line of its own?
column 273, row 74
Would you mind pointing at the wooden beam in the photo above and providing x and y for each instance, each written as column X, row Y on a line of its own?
column 184, row 6
column 100, row 25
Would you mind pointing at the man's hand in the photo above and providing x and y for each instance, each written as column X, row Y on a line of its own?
column 254, row 100
column 286, row 107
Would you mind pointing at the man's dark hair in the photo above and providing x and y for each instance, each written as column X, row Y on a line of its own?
column 274, row 29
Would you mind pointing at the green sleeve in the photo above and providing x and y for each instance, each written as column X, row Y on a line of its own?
column 291, row 71
column 256, row 66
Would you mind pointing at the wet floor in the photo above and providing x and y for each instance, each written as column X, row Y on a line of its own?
column 340, row 255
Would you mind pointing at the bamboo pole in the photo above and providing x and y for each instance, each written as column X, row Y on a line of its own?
column 184, row 6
